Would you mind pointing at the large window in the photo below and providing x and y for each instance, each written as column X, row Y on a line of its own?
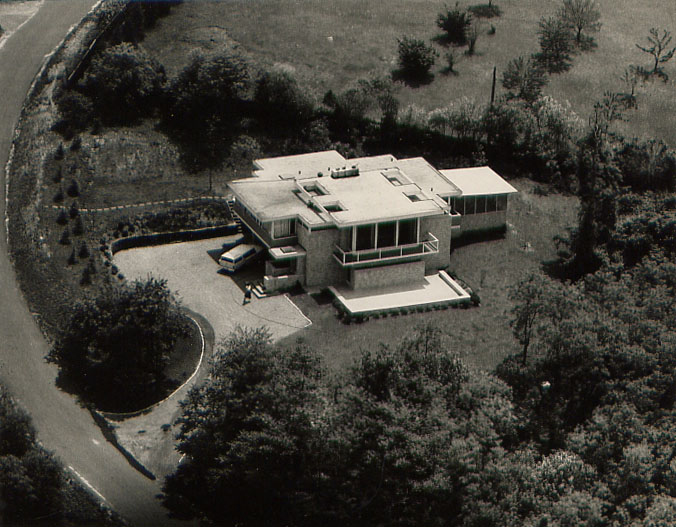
column 365, row 237
column 502, row 202
column 408, row 231
column 469, row 205
column 284, row 228
column 387, row 234
column 491, row 203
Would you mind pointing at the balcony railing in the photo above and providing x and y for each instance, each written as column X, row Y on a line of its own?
column 429, row 245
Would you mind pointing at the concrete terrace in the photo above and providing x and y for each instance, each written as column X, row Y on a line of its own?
column 433, row 291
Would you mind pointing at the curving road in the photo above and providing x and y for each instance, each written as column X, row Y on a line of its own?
column 63, row 426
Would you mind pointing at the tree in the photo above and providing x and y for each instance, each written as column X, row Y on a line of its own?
column 580, row 15
column 415, row 58
column 529, row 297
column 555, row 45
column 206, row 104
column 397, row 440
column 524, row 79
column 455, row 24
column 124, row 83
column 116, row 345
column 472, row 37
column 31, row 481
column 281, row 103
column 659, row 48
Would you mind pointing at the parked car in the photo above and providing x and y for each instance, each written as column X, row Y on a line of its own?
column 232, row 240
column 239, row 256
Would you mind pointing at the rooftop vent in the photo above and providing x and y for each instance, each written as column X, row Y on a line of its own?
column 337, row 173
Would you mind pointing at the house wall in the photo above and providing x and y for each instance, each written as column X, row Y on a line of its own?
column 439, row 226
column 321, row 268
column 388, row 275
column 484, row 222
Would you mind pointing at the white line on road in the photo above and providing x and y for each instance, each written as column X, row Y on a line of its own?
column 89, row 485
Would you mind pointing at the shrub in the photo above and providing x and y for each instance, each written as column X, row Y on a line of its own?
column 415, row 58
column 524, row 79
column 62, row 217
column 455, row 24
column 72, row 260
column 78, row 228
column 58, row 155
column 124, row 83
column 73, row 189
column 86, row 278
column 76, row 144
column 84, row 251
column 65, row 237
column 76, row 111
column 450, row 60
column 74, row 211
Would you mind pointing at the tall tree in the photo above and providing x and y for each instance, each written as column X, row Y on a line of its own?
column 659, row 48
column 555, row 45
column 524, row 79
column 116, row 345
column 580, row 15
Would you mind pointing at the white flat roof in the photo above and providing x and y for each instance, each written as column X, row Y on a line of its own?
column 299, row 166
column 478, row 181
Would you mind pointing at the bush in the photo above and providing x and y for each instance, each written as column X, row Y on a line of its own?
column 86, row 277
column 73, row 189
column 62, row 217
column 524, row 79
column 72, row 259
column 58, row 155
column 76, row 144
column 124, row 83
column 415, row 58
column 455, row 24
column 450, row 61
column 76, row 111
column 84, row 251
column 65, row 237
column 74, row 211
column 78, row 228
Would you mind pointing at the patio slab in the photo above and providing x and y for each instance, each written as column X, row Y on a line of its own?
column 434, row 290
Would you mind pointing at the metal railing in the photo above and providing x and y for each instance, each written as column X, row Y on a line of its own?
column 429, row 245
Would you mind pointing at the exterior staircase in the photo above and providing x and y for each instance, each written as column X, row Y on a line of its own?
column 231, row 202
column 258, row 290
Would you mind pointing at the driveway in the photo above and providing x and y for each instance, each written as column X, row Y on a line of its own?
column 193, row 275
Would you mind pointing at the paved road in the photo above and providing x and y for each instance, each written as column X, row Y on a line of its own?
column 62, row 425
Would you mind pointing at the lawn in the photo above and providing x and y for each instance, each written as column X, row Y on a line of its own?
column 481, row 335
column 330, row 45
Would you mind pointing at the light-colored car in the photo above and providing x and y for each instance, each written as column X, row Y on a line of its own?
column 239, row 256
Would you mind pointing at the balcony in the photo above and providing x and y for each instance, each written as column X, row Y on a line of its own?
column 429, row 245
column 456, row 219
column 260, row 230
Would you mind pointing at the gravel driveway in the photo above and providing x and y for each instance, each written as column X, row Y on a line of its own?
column 192, row 274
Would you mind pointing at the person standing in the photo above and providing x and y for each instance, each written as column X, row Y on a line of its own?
column 247, row 294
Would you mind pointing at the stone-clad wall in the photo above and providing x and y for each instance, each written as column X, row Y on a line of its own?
column 439, row 226
column 321, row 268
column 388, row 275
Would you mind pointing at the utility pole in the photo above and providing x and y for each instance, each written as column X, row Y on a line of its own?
column 493, row 87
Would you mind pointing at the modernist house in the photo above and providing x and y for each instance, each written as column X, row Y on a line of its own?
column 365, row 222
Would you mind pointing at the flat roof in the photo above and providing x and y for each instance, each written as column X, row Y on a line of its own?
column 478, row 181
column 428, row 177
column 299, row 166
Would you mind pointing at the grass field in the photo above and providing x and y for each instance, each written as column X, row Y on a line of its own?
column 329, row 45
column 482, row 335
